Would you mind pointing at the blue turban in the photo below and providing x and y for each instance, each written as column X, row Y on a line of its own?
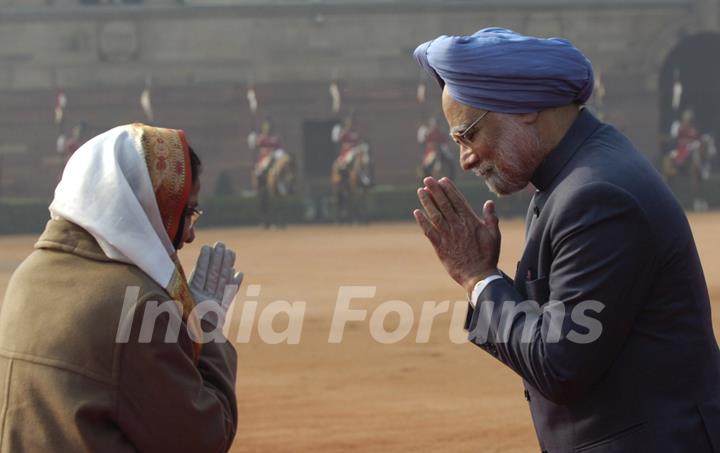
column 502, row 71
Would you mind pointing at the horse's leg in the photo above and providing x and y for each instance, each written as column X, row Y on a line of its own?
column 340, row 202
column 354, row 205
column 363, row 206
column 279, row 204
column 264, row 205
column 272, row 209
column 696, row 184
column 347, row 205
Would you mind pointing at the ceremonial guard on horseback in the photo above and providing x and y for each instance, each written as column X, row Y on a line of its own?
column 352, row 173
column 273, row 174
column 436, row 159
column 690, row 151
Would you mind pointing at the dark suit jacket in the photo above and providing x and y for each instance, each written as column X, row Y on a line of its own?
column 638, row 370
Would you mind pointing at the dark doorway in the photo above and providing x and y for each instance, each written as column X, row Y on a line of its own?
column 319, row 151
column 694, row 61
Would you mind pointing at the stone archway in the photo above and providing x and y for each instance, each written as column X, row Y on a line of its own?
column 694, row 59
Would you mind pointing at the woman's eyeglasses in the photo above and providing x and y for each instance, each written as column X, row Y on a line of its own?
column 194, row 215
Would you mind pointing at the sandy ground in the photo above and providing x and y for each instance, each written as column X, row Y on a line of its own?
column 361, row 395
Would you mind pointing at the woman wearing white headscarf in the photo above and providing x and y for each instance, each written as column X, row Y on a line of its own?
column 91, row 356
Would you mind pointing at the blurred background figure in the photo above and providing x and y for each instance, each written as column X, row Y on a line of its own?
column 690, row 156
column 75, row 140
column 347, row 139
column 273, row 175
column 351, row 174
column 686, row 135
column 66, row 146
column 436, row 160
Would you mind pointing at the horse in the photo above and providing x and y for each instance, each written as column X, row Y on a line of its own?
column 351, row 182
column 274, row 180
column 437, row 162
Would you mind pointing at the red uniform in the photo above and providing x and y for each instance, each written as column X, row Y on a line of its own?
column 433, row 140
column 266, row 145
column 349, row 139
column 687, row 134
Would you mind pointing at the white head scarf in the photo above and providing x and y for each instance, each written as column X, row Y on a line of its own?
column 106, row 190
column 128, row 188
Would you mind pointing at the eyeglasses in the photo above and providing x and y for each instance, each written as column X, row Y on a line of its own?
column 194, row 215
column 462, row 137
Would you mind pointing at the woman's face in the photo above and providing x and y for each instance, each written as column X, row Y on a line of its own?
column 188, row 228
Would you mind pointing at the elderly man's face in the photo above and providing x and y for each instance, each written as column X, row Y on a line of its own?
column 503, row 150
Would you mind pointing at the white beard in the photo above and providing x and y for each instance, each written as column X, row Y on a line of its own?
column 515, row 147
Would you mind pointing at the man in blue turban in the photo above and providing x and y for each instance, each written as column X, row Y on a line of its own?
column 608, row 317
